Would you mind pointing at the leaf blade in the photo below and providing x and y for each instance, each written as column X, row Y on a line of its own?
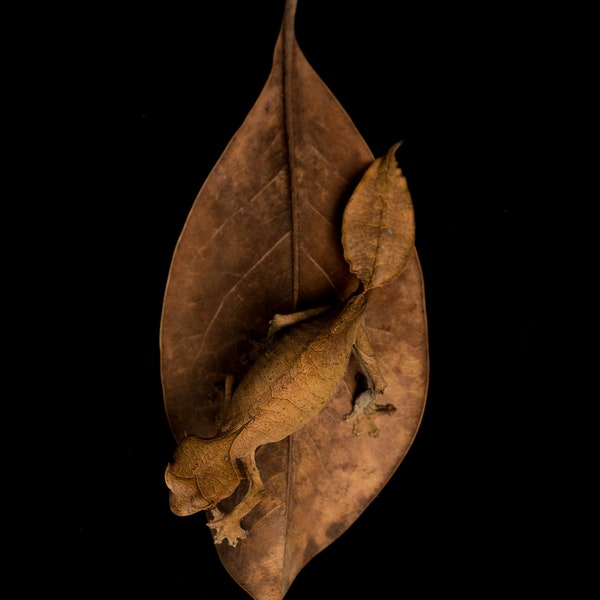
column 268, row 240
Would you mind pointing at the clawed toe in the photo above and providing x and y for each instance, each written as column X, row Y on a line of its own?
column 364, row 413
column 226, row 528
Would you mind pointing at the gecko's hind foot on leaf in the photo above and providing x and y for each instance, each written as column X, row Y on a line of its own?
column 226, row 528
column 364, row 413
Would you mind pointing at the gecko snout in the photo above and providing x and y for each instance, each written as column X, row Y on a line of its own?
column 184, row 495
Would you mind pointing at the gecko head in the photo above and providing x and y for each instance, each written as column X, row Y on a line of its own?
column 200, row 475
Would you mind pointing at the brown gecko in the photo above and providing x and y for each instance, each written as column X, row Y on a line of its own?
column 298, row 374
column 284, row 389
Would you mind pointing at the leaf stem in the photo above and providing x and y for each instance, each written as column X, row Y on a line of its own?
column 289, row 49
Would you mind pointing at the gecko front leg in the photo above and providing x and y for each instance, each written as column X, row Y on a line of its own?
column 366, row 408
column 228, row 525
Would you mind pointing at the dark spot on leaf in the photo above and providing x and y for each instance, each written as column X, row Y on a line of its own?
column 312, row 548
column 335, row 530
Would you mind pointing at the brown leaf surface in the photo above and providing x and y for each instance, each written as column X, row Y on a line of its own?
column 263, row 237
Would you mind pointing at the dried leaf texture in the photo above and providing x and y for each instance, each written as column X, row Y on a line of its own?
column 262, row 237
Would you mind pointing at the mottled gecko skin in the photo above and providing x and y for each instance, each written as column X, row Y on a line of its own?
column 284, row 389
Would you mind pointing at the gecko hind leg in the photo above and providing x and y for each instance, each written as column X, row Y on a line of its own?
column 365, row 408
column 281, row 321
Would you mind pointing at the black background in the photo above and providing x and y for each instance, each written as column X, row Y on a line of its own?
column 131, row 109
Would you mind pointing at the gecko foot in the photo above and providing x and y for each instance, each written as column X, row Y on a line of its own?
column 226, row 527
column 365, row 411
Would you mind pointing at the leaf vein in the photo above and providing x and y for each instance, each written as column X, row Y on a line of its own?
column 234, row 287
column 333, row 168
column 322, row 271
column 239, row 211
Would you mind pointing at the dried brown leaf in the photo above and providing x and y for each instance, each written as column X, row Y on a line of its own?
column 263, row 237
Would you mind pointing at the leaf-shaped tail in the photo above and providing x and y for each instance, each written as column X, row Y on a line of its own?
column 378, row 228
